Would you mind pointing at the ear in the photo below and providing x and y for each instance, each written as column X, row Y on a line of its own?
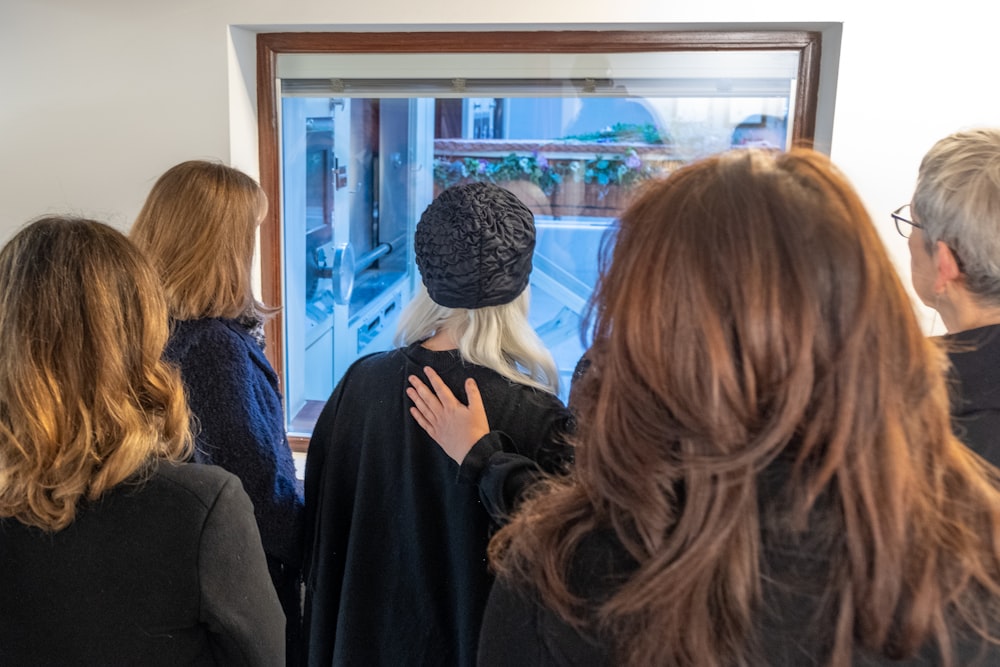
column 947, row 267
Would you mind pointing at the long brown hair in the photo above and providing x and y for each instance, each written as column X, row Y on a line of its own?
column 85, row 399
column 750, row 316
column 199, row 228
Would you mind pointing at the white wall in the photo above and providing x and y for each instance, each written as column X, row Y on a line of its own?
column 97, row 98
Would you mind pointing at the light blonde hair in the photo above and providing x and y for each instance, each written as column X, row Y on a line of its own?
column 497, row 337
column 199, row 228
column 86, row 401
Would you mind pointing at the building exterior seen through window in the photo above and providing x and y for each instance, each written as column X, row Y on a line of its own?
column 361, row 156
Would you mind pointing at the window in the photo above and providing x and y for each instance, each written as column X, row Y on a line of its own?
column 359, row 131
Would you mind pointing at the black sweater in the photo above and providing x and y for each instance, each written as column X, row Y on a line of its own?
column 396, row 539
column 794, row 625
column 975, row 389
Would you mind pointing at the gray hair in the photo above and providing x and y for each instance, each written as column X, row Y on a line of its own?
column 497, row 337
column 957, row 201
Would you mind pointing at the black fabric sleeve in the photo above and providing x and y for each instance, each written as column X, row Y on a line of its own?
column 501, row 475
column 238, row 601
column 476, row 462
column 504, row 475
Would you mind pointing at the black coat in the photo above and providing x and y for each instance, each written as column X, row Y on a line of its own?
column 396, row 540
column 168, row 571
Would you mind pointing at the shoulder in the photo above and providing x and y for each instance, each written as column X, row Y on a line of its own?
column 192, row 483
column 390, row 359
column 968, row 350
column 211, row 350
column 207, row 327
column 373, row 370
column 196, row 336
column 524, row 413
column 600, row 565
column 368, row 377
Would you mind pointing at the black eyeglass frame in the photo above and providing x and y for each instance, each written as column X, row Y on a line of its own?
column 900, row 229
column 897, row 218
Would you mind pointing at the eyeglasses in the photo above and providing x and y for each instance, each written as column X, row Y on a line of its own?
column 903, row 223
column 905, row 227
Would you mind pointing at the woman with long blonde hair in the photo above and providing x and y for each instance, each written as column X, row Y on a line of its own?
column 765, row 470
column 111, row 552
column 198, row 226
column 396, row 532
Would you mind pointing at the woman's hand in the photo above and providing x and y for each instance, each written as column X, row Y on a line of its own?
column 452, row 425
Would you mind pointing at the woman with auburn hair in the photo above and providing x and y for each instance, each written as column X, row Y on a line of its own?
column 199, row 228
column 765, row 470
column 112, row 552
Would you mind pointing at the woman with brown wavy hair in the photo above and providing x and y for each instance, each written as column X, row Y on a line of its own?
column 765, row 469
column 111, row 552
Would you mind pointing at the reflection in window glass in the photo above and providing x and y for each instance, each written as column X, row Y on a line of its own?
column 361, row 159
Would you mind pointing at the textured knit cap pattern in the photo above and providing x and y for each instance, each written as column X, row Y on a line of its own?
column 473, row 246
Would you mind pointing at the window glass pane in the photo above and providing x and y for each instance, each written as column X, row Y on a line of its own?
column 362, row 156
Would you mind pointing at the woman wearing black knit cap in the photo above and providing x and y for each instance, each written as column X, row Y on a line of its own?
column 396, row 531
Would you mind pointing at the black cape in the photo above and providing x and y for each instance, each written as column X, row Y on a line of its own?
column 396, row 540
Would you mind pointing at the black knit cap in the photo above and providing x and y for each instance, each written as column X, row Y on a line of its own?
column 473, row 246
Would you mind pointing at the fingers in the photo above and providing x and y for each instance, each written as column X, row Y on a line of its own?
column 428, row 399
column 475, row 398
column 441, row 390
column 435, row 403
column 419, row 418
column 477, row 412
column 419, row 404
column 454, row 426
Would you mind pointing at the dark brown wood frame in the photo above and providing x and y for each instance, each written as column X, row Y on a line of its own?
column 269, row 45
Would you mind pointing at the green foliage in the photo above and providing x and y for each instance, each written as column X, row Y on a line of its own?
column 623, row 169
column 513, row 167
column 646, row 133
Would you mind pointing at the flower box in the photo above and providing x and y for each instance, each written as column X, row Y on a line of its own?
column 559, row 179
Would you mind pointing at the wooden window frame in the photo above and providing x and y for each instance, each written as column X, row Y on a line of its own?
column 270, row 45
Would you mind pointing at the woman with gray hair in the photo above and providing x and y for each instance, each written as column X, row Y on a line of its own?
column 954, row 242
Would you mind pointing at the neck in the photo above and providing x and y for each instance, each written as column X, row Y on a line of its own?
column 441, row 341
column 961, row 311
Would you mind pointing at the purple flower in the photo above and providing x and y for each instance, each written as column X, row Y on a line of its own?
column 482, row 167
column 543, row 162
column 633, row 162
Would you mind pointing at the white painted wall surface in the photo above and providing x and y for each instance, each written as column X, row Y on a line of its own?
column 98, row 97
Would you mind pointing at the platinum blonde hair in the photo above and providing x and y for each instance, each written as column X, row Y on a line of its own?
column 957, row 201
column 497, row 337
